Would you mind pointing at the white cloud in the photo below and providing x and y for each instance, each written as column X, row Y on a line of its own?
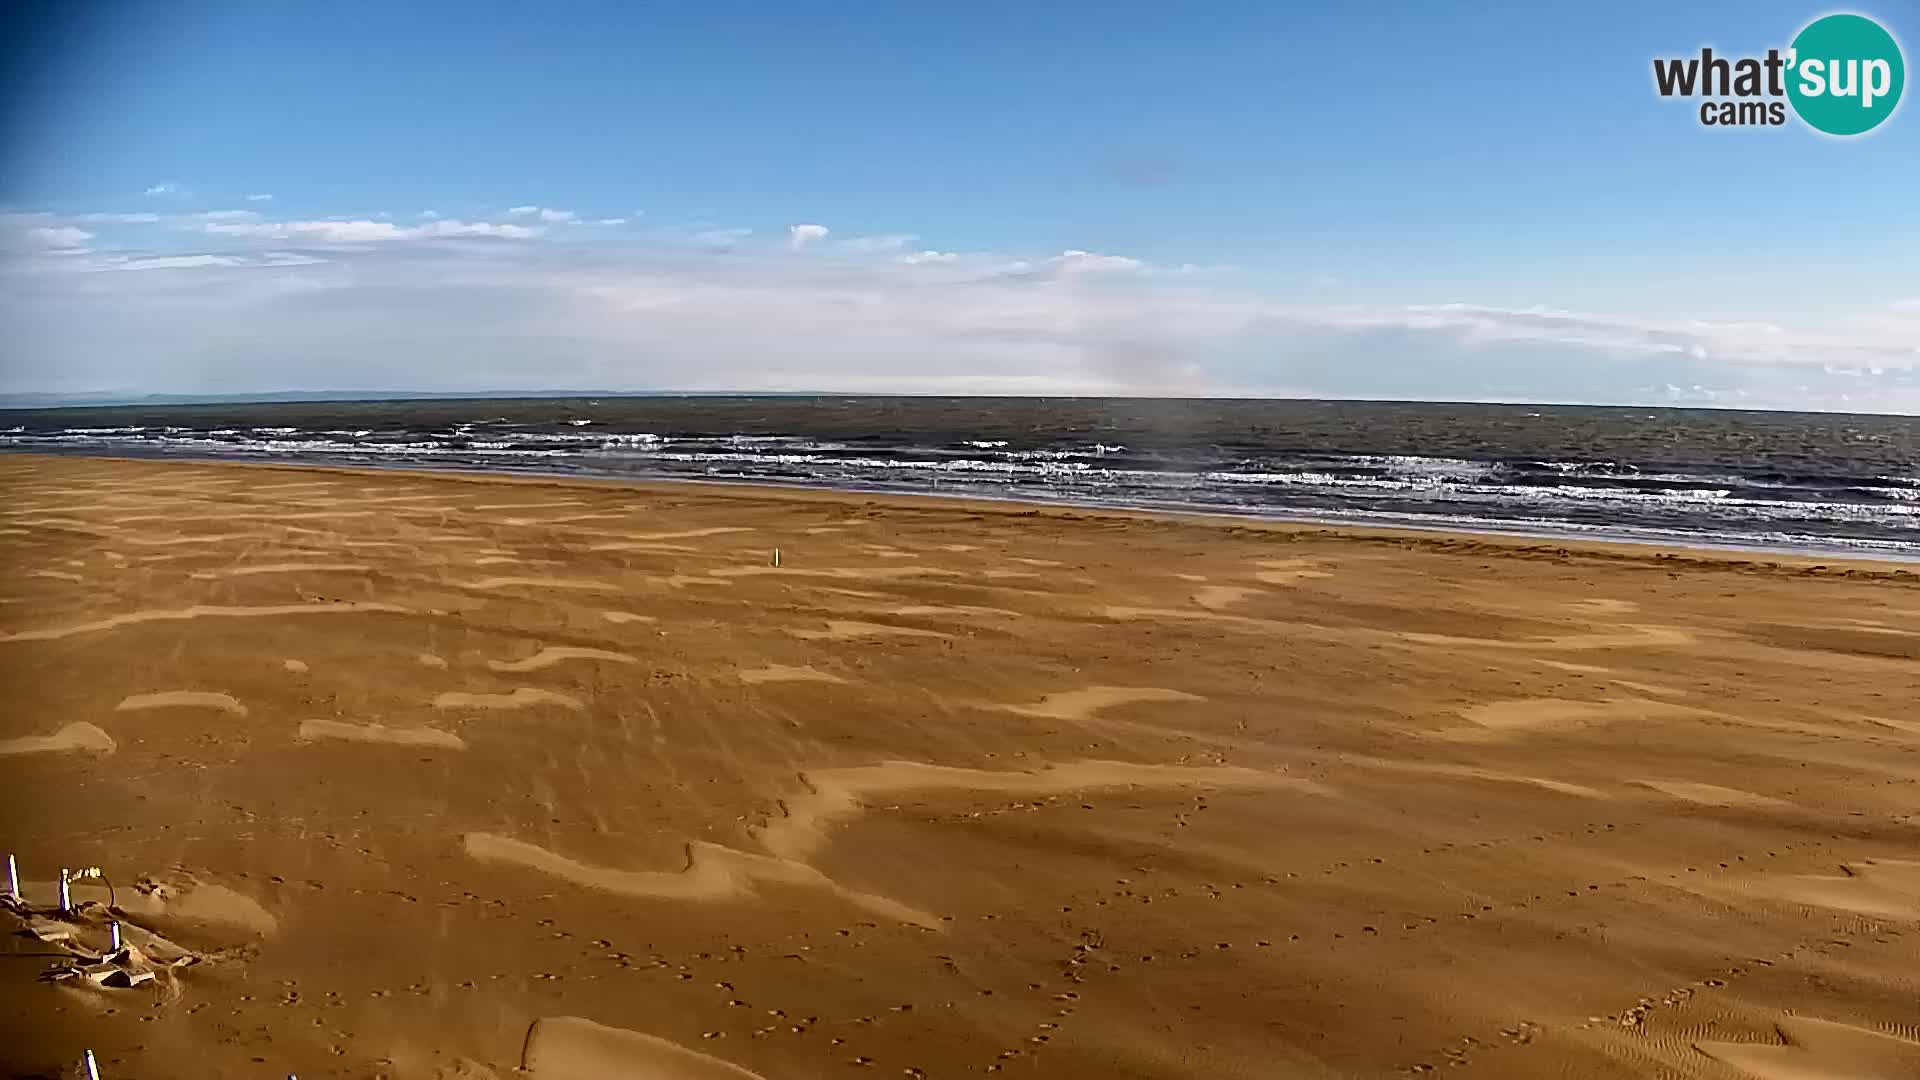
column 545, row 213
column 259, row 198
column 226, row 215
column 58, row 238
column 799, row 236
column 887, row 242
column 203, row 261
column 429, row 214
column 363, row 231
column 1081, row 262
column 115, row 219
column 610, row 221
column 916, row 258
column 721, row 239
column 160, row 190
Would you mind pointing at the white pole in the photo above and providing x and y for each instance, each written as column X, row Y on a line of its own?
column 65, row 895
column 776, row 557
column 13, row 877
column 93, row 1070
column 114, row 929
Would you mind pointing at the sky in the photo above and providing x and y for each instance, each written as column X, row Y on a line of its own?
column 1480, row 202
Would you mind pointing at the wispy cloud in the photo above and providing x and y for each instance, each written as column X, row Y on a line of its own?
column 609, row 221
column 882, row 243
column 799, row 236
column 364, row 231
column 259, row 198
column 545, row 213
column 166, row 190
column 721, row 239
column 226, row 215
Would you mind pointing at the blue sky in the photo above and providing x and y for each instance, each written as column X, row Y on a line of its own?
column 1476, row 202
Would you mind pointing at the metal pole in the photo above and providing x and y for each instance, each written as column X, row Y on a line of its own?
column 114, row 929
column 13, row 877
column 66, row 896
column 93, row 1070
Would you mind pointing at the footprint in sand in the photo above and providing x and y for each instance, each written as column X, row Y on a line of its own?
column 552, row 655
column 781, row 673
column 572, row 1048
column 1811, row 1049
column 182, row 699
column 419, row 737
column 524, row 697
column 1082, row 704
column 75, row 736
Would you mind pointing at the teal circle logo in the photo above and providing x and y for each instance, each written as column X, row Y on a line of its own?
column 1845, row 74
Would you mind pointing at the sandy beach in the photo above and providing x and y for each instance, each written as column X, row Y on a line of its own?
column 469, row 778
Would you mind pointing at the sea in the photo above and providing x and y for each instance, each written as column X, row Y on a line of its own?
column 1844, row 485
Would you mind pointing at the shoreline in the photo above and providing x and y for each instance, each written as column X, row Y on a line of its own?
column 1326, row 527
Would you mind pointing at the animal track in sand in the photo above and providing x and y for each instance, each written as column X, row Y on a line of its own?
column 1811, row 1049
column 182, row 699
column 846, row 629
column 572, row 1048
column 554, row 654
column 714, row 872
column 202, row 611
column 79, row 735
column 619, row 617
column 1500, row 719
column 1289, row 571
column 282, row 568
column 523, row 697
column 1709, row 794
column 311, row 730
column 782, row 673
column 1082, row 704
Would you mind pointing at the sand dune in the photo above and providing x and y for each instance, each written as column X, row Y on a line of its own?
column 182, row 699
column 556, row 654
column 78, row 735
column 524, row 697
column 379, row 733
column 570, row 1048
column 1814, row 1049
column 200, row 611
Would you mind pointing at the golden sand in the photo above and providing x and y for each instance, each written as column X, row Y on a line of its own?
column 462, row 778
